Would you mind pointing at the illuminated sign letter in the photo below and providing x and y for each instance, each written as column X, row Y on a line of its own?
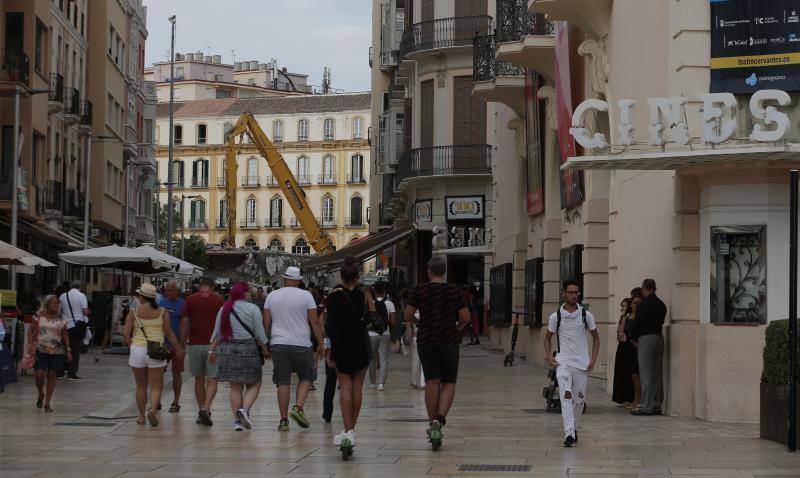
column 671, row 109
column 769, row 115
column 625, row 126
column 717, row 127
column 581, row 134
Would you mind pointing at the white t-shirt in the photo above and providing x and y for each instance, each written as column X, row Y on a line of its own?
column 573, row 337
column 289, row 308
column 78, row 301
column 389, row 311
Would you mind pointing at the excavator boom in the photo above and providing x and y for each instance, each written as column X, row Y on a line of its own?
column 247, row 124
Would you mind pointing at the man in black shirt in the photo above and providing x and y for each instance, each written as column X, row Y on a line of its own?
column 646, row 332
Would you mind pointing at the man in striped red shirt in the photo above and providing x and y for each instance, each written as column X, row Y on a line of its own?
column 442, row 315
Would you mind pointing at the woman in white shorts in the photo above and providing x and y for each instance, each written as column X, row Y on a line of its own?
column 147, row 322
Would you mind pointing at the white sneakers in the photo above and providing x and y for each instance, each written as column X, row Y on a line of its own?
column 351, row 435
column 380, row 387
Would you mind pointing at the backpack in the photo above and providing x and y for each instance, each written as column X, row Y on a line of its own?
column 380, row 322
column 558, row 323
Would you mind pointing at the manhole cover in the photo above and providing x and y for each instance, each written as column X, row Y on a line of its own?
column 506, row 468
column 78, row 424
column 409, row 420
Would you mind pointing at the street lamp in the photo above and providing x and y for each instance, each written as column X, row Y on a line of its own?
column 158, row 212
column 183, row 224
column 17, row 153
column 170, row 179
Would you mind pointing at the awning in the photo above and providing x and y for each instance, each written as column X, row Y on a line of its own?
column 361, row 250
column 184, row 269
column 466, row 251
column 123, row 258
column 656, row 159
column 11, row 255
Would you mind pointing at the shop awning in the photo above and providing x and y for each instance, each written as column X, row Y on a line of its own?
column 466, row 251
column 361, row 250
column 656, row 159
column 11, row 255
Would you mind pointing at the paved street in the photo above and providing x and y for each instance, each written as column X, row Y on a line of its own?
column 497, row 420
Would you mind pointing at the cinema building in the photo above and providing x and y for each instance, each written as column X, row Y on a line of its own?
column 656, row 179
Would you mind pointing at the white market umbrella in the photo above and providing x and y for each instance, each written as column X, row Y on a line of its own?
column 14, row 256
column 184, row 268
column 123, row 258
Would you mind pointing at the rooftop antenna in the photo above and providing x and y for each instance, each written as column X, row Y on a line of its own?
column 233, row 57
column 326, row 80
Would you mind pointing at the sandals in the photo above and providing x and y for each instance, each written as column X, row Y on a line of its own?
column 47, row 409
column 40, row 400
column 140, row 421
column 174, row 408
column 151, row 417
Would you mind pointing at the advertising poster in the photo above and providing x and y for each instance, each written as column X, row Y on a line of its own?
column 423, row 211
column 464, row 208
column 571, row 181
column 755, row 45
column 535, row 152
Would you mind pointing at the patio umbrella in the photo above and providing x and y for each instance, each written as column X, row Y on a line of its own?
column 184, row 268
column 14, row 256
column 123, row 258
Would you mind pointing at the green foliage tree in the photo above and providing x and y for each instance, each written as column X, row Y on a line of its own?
column 193, row 246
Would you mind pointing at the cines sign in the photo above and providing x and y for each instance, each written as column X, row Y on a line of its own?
column 668, row 124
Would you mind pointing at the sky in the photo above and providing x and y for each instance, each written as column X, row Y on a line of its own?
column 303, row 35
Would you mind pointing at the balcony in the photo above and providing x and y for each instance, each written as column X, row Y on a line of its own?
column 55, row 99
column 496, row 80
column 251, row 182
column 274, row 223
column 221, row 224
column 199, row 225
column 294, row 223
column 15, row 67
column 443, row 33
column 327, row 223
column 144, row 228
column 72, row 110
column 525, row 39
column 304, row 180
column 249, row 223
column 354, row 222
column 392, row 24
column 591, row 16
column 271, row 180
column 475, row 159
column 327, row 179
column 356, row 179
column 86, row 113
column 75, row 205
column 199, row 183
column 222, row 181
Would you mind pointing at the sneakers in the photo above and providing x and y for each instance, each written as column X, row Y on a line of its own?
column 337, row 439
column 299, row 416
column 435, row 427
column 283, row 426
column 73, row 377
column 244, row 417
column 351, row 435
column 203, row 417
column 372, row 385
column 237, row 426
column 569, row 442
column 380, row 387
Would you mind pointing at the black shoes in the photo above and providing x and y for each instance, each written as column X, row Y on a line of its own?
column 204, row 418
column 641, row 413
column 569, row 442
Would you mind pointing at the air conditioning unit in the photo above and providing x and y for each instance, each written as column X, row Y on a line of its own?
column 94, row 232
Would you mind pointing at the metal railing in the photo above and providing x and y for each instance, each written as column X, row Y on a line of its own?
column 444, row 33
column 485, row 65
column 357, row 221
column 249, row 223
column 304, row 180
column 251, row 181
column 515, row 21
column 271, row 181
column 86, row 113
column 199, row 182
column 15, row 66
column 73, row 104
column 54, row 195
column 75, row 204
column 327, row 223
column 293, row 222
column 221, row 224
column 56, row 88
column 445, row 161
column 327, row 179
column 356, row 179
column 198, row 225
column 274, row 223
column 222, row 181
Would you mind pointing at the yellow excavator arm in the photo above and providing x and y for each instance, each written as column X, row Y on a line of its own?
column 247, row 124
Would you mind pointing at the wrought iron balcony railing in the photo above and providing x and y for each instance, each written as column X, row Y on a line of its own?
column 15, row 66
column 514, row 21
column 327, row 179
column 445, row 161
column 304, row 180
column 355, row 221
column 251, row 181
column 222, row 181
column 356, row 179
column 274, row 223
column 222, row 224
column 444, row 33
column 485, row 65
column 56, row 88
column 73, row 102
column 199, row 182
column 326, row 223
column 198, row 225
column 249, row 223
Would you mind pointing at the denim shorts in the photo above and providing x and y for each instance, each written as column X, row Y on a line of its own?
column 288, row 359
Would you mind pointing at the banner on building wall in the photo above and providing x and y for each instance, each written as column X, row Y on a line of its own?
column 571, row 181
column 423, row 211
column 534, row 203
column 755, row 45
column 464, row 207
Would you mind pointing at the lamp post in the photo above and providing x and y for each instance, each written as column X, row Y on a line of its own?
column 183, row 224
column 17, row 154
column 170, row 179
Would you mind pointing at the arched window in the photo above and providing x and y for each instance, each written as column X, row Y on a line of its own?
column 197, row 218
column 329, row 130
column 356, row 207
column 251, row 243
column 302, row 170
column 276, row 212
column 275, row 245
column 252, row 212
column 223, row 213
column 202, row 133
column 226, row 131
column 358, row 127
column 200, row 173
column 252, row 172
column 177, row 173
column 178, row 134
column 302, row 130
column 327, row 212
column 277, row 131
column 357, row 169
column 301, row 247
column 328, row 176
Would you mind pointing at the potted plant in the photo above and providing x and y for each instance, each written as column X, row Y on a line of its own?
column 774, row 408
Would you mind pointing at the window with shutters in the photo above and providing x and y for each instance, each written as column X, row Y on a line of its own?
column 276, row 212
column 329, row 129
column 469, row 114
column 178, row 137
column 277, row 131
column 252, row 172
column 357, row 169
column 202, row 133
column 328, row 212
column 301, row 247
column 328, row 176
column 177, row 173
column 358, row 128
column 198, row 214
column 302, row 130
column 252, row 212
column 226, row 131
column 200, row 173
column 302, row 170
column 356, row 207
column 426, row 114
column 276, row 245
column 223, row 213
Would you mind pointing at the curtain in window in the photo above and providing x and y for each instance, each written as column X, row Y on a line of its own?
column 277, row 131
column 327, row 169
column 329, row 129
column 327, row 211
column 200, row 173
column 302, row 130
column 358, row 128
column 275, row 212
column 252, row 211
column 177, row 173
column 302, row 169
column 357, row 168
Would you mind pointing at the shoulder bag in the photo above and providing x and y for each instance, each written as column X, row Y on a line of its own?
column 250, row 331
column 155, row 350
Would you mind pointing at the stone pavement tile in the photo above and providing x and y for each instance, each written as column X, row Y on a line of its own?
column 158, row 472
column 358, row 457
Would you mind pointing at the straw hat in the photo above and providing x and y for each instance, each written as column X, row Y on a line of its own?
column 147, row 290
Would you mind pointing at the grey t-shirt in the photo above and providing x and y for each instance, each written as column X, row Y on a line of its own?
column 248, row 313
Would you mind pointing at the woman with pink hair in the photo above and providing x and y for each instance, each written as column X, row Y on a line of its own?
column 239, row 334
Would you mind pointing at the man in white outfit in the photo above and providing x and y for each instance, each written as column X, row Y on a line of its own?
column 570, row 324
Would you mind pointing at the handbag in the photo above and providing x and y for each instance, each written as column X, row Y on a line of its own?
column 32, row 342
column 250, row 331
column 363, row 321
column 155, row 350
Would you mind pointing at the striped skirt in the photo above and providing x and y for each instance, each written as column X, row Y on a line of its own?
column 239, row 361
